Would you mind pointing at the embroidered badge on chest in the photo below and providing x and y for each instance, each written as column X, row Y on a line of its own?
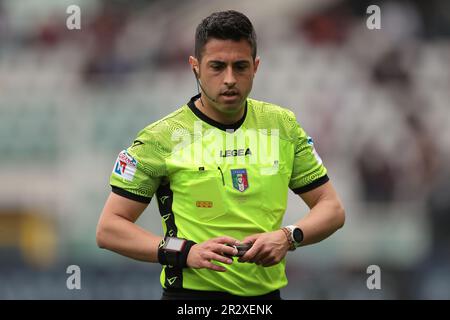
column 240, row 179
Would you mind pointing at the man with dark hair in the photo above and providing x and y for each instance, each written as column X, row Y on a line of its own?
column 220, row 168
column 228, row 25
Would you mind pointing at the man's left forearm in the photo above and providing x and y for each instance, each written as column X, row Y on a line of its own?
column 323, row 220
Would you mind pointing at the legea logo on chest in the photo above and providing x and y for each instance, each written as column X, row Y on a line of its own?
column 205, row 145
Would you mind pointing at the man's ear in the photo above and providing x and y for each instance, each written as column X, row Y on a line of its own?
column 256, row 65
column 194, row 64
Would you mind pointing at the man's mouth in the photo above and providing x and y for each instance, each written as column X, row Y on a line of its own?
column 230, row 93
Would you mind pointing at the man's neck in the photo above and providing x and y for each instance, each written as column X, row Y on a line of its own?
column 203, row 105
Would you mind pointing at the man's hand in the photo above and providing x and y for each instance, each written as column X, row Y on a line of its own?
column 268, row 248
column 201, row 254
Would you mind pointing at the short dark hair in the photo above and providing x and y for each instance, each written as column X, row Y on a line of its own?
column 225, row 25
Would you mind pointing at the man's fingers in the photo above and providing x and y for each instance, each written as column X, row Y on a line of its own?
column 267, row 260
column 251, row 239
column 225, row 250
column 250, row 254
column 218, row 257
column 226, row 240
column 258, row 257
column 253, row 250
column 212, row 266
column 225, row 246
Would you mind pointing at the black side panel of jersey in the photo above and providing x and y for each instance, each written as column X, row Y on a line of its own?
column 174, row 276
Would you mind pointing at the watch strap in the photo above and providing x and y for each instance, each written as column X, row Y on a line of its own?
column 287, row 233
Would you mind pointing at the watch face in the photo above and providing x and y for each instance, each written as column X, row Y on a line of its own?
column 298, row 235
column 174, row 244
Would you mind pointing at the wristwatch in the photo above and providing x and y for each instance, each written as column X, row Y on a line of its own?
column 295, row 236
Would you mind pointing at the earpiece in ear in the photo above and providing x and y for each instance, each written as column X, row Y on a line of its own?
column 195, row 72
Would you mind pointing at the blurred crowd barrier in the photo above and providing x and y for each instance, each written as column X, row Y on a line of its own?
column 376, row 103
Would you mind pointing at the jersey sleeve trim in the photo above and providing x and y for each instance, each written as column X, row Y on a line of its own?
column 129, row 195
column 313, row 185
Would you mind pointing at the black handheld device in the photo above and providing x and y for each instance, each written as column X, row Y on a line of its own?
column 241, row 248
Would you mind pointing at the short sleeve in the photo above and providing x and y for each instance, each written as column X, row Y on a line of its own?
column 138, row 170
column 308, row 171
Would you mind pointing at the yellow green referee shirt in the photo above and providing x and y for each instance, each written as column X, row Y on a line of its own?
column 212, row 180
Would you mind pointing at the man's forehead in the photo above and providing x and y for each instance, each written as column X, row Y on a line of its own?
column 227, row 50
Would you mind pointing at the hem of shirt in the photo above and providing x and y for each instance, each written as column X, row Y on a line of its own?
column 129, row 195
column 313, row 185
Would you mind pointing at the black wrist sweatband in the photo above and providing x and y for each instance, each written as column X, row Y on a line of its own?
column 185, row 252
column 175, row 259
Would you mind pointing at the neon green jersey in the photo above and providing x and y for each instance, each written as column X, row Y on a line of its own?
column 212, row 180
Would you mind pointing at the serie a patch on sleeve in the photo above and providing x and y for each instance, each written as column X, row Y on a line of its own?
column 316, row 155
column 125, row 166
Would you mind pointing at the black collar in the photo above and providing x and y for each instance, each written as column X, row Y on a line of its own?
column 214, row 123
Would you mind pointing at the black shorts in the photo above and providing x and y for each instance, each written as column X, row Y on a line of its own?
column 186, row 294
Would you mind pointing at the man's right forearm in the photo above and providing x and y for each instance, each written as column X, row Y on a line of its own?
column 126, row 238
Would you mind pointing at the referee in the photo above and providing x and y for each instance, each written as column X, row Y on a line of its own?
column 220, row 168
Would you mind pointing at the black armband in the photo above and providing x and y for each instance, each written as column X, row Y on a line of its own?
column 174, row 251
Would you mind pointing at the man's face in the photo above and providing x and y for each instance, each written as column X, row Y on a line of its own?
column 226, row 71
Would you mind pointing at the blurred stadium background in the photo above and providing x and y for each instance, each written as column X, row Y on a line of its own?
column 376, row 102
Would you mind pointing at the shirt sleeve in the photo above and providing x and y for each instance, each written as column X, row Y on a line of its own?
column 138, row 170
column 308, row 171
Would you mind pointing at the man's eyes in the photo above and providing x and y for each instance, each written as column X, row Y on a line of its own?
column 238, row 67
column 241, row 67
column 217, row 67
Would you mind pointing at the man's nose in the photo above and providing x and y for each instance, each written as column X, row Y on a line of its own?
column 229, row 79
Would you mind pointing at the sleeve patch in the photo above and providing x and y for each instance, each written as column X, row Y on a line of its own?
column 316, row 155
column 125, row 166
